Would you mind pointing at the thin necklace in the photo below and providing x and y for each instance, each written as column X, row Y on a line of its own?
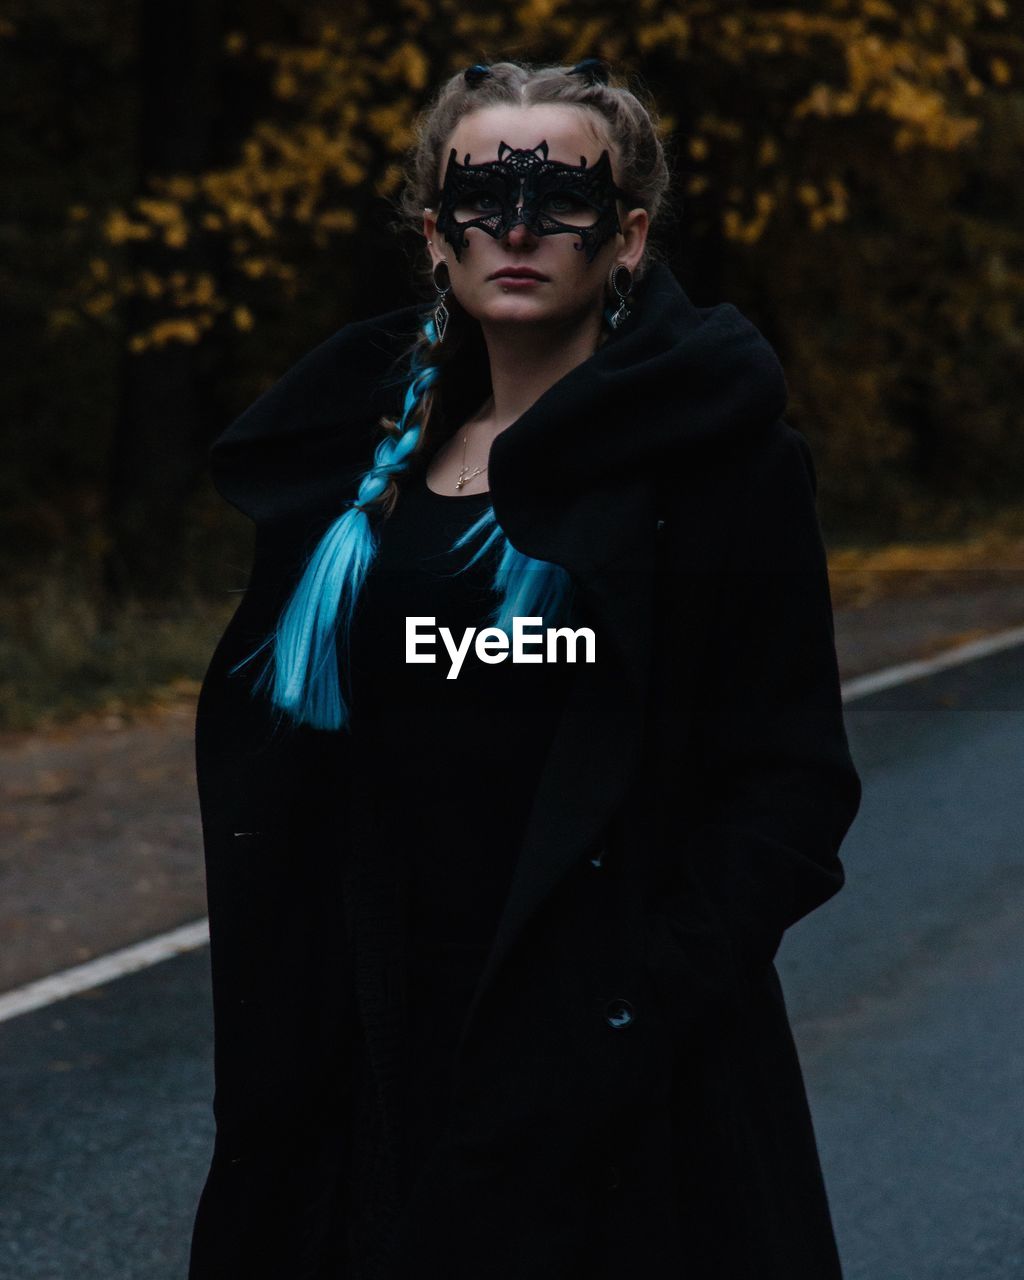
column 465, row 478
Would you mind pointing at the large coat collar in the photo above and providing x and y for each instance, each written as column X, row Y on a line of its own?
column 675, row 381
column 575, row 480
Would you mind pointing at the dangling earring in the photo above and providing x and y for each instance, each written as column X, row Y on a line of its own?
column 623, row 313
column 441, row 311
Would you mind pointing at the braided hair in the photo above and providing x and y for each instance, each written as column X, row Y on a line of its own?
column 301, row 673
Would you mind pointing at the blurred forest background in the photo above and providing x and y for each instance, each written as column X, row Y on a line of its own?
column 196, row 193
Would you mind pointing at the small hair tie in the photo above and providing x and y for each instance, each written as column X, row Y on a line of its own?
column 595, row 70
column 477, row 72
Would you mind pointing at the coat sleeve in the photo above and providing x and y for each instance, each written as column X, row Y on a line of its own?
column 780, row 789
column 297, row 447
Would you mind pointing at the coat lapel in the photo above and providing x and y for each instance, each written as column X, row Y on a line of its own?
column 606, row 541
column 574, row 481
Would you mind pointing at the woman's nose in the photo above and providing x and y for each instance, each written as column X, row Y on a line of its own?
column 519, row 234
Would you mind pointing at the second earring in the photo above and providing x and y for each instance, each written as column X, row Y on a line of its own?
column 441, row 312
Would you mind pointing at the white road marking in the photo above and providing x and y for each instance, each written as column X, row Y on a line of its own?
column 68, row 982
column 860, row 686
column 187, row 937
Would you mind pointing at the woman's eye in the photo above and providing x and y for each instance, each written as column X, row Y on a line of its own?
column 570, row 209
column 475, row 204
column 564, row 202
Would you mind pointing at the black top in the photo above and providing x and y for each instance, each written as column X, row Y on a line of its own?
column 447, row 768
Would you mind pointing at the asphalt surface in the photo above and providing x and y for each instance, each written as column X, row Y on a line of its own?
column 107, row 1128
column 905, row 993
column 906, row 990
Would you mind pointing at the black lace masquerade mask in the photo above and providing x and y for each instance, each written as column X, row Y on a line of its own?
column 556, row 198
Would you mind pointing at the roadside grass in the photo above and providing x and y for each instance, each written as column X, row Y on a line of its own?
column 60, row 661
column 991, row 555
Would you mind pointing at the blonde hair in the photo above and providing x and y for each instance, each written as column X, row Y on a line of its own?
column 629, row 123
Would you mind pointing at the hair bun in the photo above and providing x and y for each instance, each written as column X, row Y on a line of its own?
column 477, row 72
column 595, row 70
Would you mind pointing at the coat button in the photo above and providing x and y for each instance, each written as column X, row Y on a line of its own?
column 618, row 1013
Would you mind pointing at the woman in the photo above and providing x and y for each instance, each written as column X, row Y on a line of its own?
column 492, row 942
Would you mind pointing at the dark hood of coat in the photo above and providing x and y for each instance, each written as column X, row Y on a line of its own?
column 675, row 380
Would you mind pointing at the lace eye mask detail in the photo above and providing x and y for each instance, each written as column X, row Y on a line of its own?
column 556, row 198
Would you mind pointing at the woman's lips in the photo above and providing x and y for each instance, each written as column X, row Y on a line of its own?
column 518, row 280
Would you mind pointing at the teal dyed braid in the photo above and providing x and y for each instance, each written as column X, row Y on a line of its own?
column 527, row 588
column 302, row 670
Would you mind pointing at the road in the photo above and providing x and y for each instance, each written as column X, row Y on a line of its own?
column 905, row 994
column 906, row 990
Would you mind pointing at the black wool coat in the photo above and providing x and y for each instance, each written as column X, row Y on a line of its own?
column 628, row 1101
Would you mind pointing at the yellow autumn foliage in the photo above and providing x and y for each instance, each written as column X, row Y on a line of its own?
column 162, row 212
column 407, row 64
column 355, row 87
column 337, row 220
column 119, row 228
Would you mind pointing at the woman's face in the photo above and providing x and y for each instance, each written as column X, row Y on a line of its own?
column 571, row 287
